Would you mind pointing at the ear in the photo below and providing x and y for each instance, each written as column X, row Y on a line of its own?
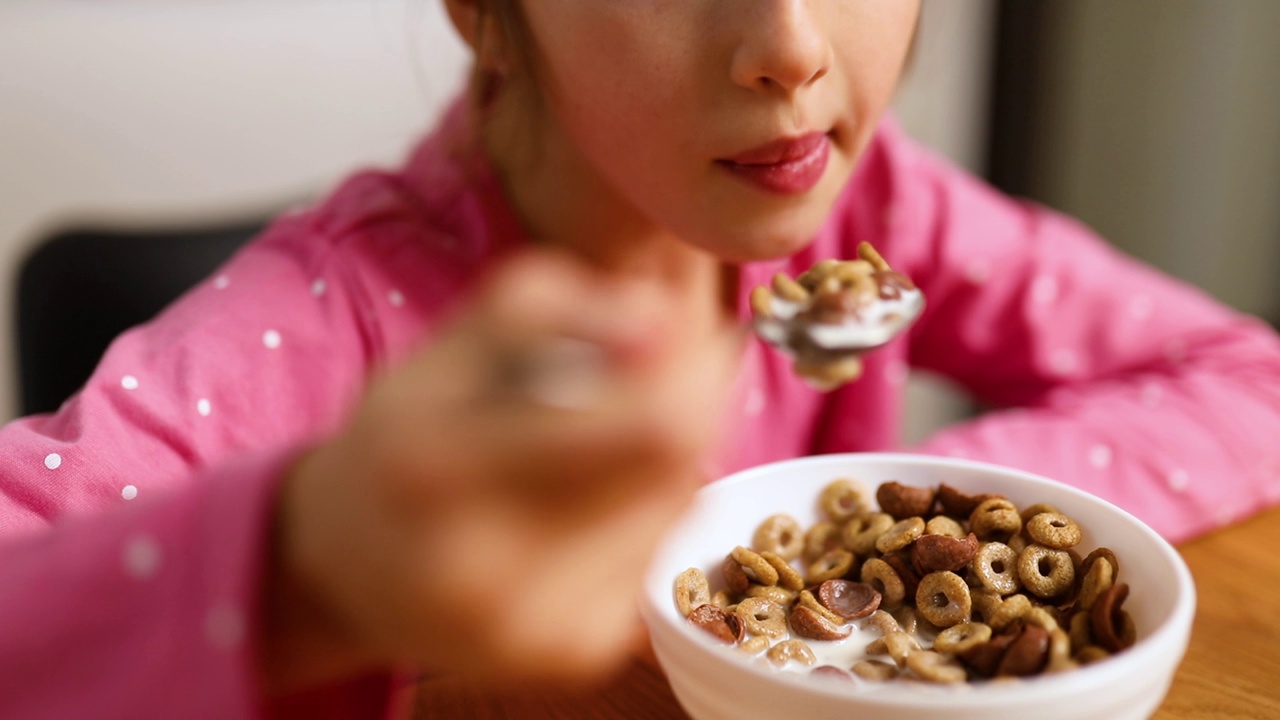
column 478, row 28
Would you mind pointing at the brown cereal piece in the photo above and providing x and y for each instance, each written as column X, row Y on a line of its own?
column 1046, row 572
column 725, row 627
column 869, row 253
column 1027, row 654
column 1007, row 611
column 984, row 658
column 773, row 593
column 808, row 623
column 788, row 577
column 754, row 645
column 875, row 670
column 995, row 566
column 788, row 650
column 995, row 519
column 842, row 499
column 1112, row 627
column 959, row 504
column 763, row 617
column 931, row 553
column 1099, row 553
column 822, row 538
column 691, row 590
column 1059, row 652
column 904, row 501
column 789, row 289
column 900, row 535
column 835, row 564
column 781, row 535
column 943, row 599
column 935, row 667
column 1053, row 530
column 880, row 575
column 1091, row 654
column 959, row 638
column 1098, row 579
column 901, row 564
column 850, row 600
column 807, row 599
column 756, row 568
column 944, row 525
column 863, row 542
column 735, row 578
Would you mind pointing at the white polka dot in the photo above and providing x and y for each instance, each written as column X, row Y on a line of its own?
column 1178, row 480
column 1100, row 456
column 896, row 372
column 141, row 557
column 1064, row 361
column 755, row 402
column 1152, row 394
column 1141, row 307
column 129, row 492
column 1044, row 290
column 978, row 271
column 221, row 282
column 129, row 382
column 203, row 407
column 271, row 339
column 318, row 287
column 224, row 627
column 395, row 298
column 1176, row 350
column 53, row 461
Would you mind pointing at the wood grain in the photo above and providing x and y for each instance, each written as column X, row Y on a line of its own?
column 1231, row 670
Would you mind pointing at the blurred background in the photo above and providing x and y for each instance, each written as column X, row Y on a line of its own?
column 141, row 141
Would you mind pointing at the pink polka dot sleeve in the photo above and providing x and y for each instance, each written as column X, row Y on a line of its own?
column 1103, row 373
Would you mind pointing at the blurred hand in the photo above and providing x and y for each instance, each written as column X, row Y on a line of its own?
column 488, row 511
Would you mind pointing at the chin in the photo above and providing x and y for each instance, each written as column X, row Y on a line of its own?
column 768, row 238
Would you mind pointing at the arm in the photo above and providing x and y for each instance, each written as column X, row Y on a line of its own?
column 1126, row 383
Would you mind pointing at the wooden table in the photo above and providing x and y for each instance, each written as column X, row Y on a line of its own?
column 1231, row 670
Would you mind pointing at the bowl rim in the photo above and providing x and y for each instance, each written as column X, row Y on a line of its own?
column 1174, row 632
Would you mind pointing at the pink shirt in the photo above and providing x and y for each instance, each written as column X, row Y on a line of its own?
column 134, row 521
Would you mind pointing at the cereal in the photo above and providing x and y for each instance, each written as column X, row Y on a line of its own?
column 691, row 591
column 904, row 501
column 756, row 568
column 1031, row 511
column 1059, row 652
column 821, row 539
column 789, row 289
column 958, row 504
column 995, row 566
column 1007, row 610
column 834, row 564
column 754, row 645
column 1046, row 572
column 831, row 672
column 1112, row 627
column 735, row 578
column 936, row 667
column 879, row 575
column 864, row 541
column 1101, row 552
column 723, row 599
column 1027, row 654
column 726, row 627
column 1098, row 579
column 984, row 658
column 775, row 593
column 995, row 519
column 1091, row 654
column 900, row 535
column 807, row 599
column 931, row 553
column 762, row 616
column 842, row 499
column 1080, row 631
column 944, row 525
column 875, row 670
column 808, row 623
column 900, row 645
column 901, row 564
column 788, row 650
column 958, row 638
column 943, row 599
column 781, row 535
column 1053, row 530
column 788, row 577
column 850, row 600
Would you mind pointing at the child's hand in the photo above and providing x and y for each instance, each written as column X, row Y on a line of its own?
column 485, row 517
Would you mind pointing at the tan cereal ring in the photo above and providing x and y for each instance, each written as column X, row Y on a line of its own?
column 936, row 668
column 788, row 577
column 884, row 622
column 810, row 279
column 788, row 650
column 943, row 599
column 1007, row 611
column 1093, row 557
column 789, row 289
column 875, row 670
column 900, row 534
column 900, row 645
column 1060, row 652
column 843, row 499
column 1097, row 580
column 761, row 302
column 811, row 624
column 945, row 526
column 1045, row 572
column 1080, row 631
column 958, row 638
column 835, row 564
column 1018, row 543
column 1042, row 618
column 995, row 566
column 806, row 598
column 1091, row 654
column 763, row 617
column 863, row 543
column 867, row 252
column 754, row 645
column 691, row 590
column 880, row 575
column 995, row 519
column 821, row 538
column 1053, row 530
column 776, row 593
column 757, row 569
column 724, row 600
column 781, row 535
column 1033, row 510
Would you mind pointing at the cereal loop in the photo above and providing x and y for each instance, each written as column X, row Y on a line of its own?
column 900, row 645
column 821, row 539
column 864, row 541
column 1097, row 580
column 1112, row 627
column 754, row 645
column 834, row 564
column 788, row 577
column 1101, row 552
column 936, row 668
column 1033, row 510
column 809, row 623
column 763, row 617
column 1007, row 611
column 996, row 568
column 1059, row 652
column 943, row 599
column 995, row 519
column 1046, row 572
column 775, row 593
column 879, row 575
column 958, row 638
column 1054, row 530
column 808, row 600
column 781, row 535
column 691, row 590
column 884, row 622
column 842, row 499
column 943, row 525
column 900, row 535
column 788, row 650
column 875, row 670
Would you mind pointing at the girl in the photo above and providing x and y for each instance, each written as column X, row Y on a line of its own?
column 437, row 422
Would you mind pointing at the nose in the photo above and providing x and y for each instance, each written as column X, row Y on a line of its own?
column 781, row 48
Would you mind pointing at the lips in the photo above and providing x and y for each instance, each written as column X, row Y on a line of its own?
column 786, row 166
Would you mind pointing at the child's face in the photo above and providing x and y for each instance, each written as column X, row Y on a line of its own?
column 659, row 96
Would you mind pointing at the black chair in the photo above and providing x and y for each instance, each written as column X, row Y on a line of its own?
column 80, row 289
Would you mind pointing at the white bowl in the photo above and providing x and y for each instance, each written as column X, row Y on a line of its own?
column 715, row 682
